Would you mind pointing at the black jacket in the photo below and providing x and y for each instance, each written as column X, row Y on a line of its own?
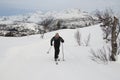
column 56, row 41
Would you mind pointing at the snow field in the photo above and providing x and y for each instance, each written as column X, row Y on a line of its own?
column 26, row 58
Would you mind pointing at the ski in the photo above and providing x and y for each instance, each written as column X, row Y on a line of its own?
column 56, row 62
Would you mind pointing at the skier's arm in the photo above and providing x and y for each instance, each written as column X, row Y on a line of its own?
column 51, row 41
column 61, row 39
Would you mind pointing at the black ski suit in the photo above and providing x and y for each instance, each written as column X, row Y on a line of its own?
column 56, row 45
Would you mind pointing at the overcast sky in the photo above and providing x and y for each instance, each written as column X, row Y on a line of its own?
column 12, row 7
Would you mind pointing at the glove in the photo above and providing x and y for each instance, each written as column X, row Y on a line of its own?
column 51, row 44
column 62, row 41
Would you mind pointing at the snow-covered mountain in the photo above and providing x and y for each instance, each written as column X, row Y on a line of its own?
column 39, row 21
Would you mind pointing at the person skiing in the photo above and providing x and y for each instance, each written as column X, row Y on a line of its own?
column 57, row 39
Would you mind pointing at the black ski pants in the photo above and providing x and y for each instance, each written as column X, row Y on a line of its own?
column 57, row 50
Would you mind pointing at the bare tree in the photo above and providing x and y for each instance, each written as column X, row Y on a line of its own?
column 42, row 33
column 118, row 52
column 58, row 24
column 106, row 18
column 78, row 37
column 87, row 41
column 46, row 23
column 101, row 55
column 114, row 36
column 109, row 27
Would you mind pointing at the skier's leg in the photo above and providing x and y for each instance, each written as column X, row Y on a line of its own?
column 56, row 53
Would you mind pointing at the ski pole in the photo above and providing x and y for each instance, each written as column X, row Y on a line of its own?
column 63, row 51
column 49, row 50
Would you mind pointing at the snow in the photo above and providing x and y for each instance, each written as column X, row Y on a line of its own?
column 31, row 26
column 26, row 58
column 68, row 14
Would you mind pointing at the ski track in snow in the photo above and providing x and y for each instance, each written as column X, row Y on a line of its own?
column 26, row 58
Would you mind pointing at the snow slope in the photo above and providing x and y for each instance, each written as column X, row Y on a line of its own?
column 26, row 58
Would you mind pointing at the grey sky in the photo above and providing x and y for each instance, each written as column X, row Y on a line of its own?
column 9, row 7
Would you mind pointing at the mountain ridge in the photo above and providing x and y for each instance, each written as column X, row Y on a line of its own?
column 52, row 20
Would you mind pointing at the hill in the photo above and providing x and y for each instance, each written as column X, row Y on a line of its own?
column 26, row 58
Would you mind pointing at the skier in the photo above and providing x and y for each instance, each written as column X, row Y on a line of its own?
column 57, row 39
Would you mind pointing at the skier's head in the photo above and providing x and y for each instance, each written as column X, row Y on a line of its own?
column 56, row 35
